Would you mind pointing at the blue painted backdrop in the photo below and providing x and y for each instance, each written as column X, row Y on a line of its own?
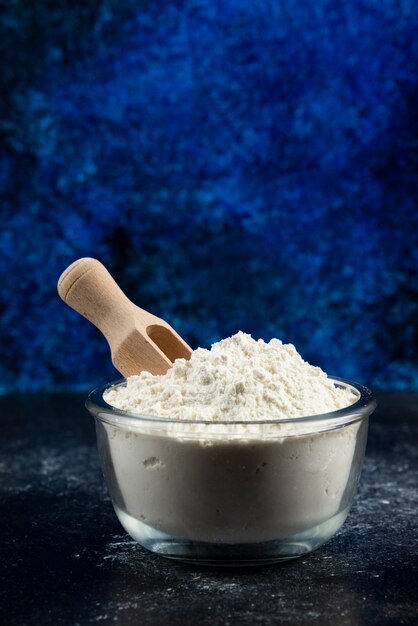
column 236, row 165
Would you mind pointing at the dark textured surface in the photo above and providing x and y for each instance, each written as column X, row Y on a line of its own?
column 237, row 165
column 66, row 561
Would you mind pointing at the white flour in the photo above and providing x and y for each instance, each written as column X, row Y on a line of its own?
column 224, row 481
column 238, row 379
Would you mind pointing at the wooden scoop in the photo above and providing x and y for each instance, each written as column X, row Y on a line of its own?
column 138, row 340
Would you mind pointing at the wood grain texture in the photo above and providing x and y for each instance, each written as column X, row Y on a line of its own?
column 138, row 340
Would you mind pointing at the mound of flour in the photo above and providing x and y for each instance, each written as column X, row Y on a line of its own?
column 238, row 379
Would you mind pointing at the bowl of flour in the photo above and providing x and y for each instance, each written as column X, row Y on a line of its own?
column 242, row 454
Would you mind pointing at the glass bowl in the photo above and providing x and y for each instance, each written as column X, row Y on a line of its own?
column 239, row 493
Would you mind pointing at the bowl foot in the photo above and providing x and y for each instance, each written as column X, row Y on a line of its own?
column 231, row 555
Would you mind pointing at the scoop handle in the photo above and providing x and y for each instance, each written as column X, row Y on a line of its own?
column 88, row 288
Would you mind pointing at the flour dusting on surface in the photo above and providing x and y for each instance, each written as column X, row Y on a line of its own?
column 238, row 379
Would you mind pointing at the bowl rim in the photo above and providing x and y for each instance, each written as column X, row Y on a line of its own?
column 361, row 408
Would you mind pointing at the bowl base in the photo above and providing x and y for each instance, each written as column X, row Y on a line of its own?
column 231, row 555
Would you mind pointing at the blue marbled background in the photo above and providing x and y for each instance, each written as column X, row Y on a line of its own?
column 236, row 165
